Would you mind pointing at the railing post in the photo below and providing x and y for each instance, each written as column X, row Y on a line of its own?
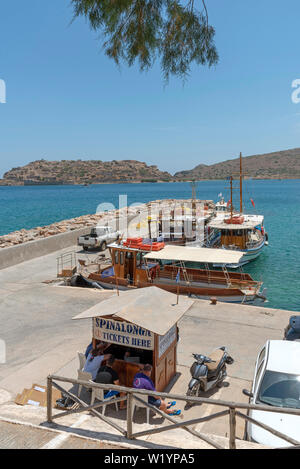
column 49, row 399
column 129, row 415
column 232, row 425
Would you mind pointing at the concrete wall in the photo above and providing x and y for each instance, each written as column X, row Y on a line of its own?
column 40, row 247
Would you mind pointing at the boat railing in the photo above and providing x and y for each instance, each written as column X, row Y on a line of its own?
column 253, row 244
column 207, row 277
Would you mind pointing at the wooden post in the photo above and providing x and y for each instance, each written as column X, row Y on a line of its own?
column 129, row 416
column 49, row 399
column 112, row 254
column 232, row 424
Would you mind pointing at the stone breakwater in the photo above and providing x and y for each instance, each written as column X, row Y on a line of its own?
column 65, row 226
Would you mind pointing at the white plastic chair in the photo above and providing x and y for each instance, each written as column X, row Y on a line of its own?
column 82, row 360
column 83, row 376
column 98, row 393
column 135, row 404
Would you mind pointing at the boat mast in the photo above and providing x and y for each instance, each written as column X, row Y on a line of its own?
column 231, row 197
column 241, row 184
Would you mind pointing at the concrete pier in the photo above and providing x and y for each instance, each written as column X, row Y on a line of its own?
column 42, row 339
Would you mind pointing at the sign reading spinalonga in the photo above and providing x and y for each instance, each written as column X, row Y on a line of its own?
column 122, row 333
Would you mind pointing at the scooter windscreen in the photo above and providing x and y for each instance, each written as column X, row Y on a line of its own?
column 198, row 371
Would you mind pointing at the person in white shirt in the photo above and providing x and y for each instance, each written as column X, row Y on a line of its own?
column 94, row 360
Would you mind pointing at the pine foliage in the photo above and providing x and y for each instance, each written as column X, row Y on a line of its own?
column 175, row 32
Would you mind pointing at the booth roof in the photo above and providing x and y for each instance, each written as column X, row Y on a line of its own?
column 152, row 308
column 202, row 255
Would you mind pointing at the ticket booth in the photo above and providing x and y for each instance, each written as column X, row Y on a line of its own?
column 140, row 327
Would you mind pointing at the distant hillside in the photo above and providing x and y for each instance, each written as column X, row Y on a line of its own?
column 277, row 165
column 83, row 172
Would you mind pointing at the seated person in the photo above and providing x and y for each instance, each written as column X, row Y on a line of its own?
column 128, row 357
column 107, row 375
column 99, row 345
column 88, row 349
column 143, row 380
column 93, row 362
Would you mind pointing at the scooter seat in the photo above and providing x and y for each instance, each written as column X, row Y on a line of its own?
column 216, row 356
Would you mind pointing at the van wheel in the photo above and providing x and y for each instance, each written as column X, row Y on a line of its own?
column 85, row 248
column 103, row 246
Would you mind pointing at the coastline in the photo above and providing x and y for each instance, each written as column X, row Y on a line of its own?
column 61, row 183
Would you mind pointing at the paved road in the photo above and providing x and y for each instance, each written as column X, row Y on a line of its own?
column 36, row 321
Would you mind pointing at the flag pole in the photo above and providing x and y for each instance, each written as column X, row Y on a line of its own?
column 177, row 280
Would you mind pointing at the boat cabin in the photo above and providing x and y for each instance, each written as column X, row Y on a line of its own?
column 129, row 265
column 239, row 232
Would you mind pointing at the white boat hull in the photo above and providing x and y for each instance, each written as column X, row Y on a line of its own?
column 250, row 255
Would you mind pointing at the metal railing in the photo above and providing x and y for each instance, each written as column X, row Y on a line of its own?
column 232, row 410
column 67, row 261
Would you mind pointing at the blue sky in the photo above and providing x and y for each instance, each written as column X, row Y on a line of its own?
column 66, row 100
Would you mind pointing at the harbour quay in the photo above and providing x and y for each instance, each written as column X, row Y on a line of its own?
column 41, row 339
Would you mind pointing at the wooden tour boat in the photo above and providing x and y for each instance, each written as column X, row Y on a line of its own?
column 236, row 230
column 134, row 265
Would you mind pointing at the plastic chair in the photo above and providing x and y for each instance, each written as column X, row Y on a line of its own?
column 83, row 376
column 139, row 404
column 98, row 393
column 82, row 360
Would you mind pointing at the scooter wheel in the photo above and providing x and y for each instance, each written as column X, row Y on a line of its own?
column 229, row 360
column 194, row 391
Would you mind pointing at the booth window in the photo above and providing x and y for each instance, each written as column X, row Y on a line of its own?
column 130, row 354
column 121, row 257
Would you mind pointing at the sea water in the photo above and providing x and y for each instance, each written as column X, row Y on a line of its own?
column 278, row 200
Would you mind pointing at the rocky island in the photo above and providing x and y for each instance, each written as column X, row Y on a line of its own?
column 276, row 165
column 44, row 172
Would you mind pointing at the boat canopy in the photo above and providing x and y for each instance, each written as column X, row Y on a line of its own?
column 202, row 255
column 152, row 308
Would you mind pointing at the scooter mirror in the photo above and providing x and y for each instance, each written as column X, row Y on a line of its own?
column 247, row 393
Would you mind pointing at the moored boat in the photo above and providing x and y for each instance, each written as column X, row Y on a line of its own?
column 137, row 267
column 236, row 230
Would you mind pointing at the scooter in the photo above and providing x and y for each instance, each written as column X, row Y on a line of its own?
column 208, row 372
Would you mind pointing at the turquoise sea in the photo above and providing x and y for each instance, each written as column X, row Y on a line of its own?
column 279, row 201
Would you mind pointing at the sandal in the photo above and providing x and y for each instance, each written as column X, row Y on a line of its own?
column 170, row 404
column 176, row 412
